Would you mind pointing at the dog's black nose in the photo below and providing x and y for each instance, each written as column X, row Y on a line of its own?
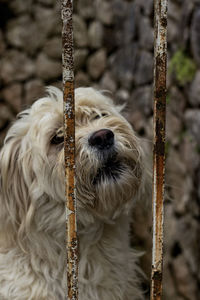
column 102, row 139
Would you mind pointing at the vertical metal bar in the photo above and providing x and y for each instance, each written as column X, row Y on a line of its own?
column 69, row 150
column 160, row 70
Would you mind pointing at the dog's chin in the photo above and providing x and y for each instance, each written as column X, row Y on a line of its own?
column 111, row 170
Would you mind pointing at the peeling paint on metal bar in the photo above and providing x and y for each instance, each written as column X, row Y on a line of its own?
column 160, row 70
column 69, row 150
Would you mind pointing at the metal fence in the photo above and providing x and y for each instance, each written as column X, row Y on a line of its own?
column 160, row 67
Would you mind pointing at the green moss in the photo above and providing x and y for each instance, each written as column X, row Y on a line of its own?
column 183, row 67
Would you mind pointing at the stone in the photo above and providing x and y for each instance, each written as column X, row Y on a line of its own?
column 149, row 129
column 2, row 43
column 47, row 2
column 86, row 8
column 6, row 14
column 47, row 68
column 34, row 89
column 146, row 6
column 194, row 91
column 5, row 115
column 142, row 99
column 189, row 153
column 57, row 29
column 189, row 233
column 80, row 56
column 20, row 6
column 95, row 34
column 104, row 12
column 12, row 95
column 192, row 119
column 172, row 250
column 176, row 101
column 173, row 128
column 16, row 65
column 53, row 48
column 80, row 32
column 119, row 8
column 169, row 293
column 174, row 11
column 47, row 20
column 125, row 21
column 198, row 192
column 122, row 64
column 146, row 34
column 183, row 278
column 176, row 176
column 137, row 120
column 143, row 73
column 107, row 82
column 175, row 162
column 16, row 30
column 130, row 23
column 24, row 33
column 122, row 96
column 82, row 80
column 169, row 227
column 195, row 35
column 187, row 9
column 97, row 63
column 110, row 40
column 172, row 34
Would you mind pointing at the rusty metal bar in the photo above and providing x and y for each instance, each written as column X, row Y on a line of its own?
column 160, row 71
column 69, row 150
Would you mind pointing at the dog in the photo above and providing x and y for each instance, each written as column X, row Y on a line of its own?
column 110, row 179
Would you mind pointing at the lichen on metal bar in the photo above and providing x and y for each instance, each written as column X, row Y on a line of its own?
column 160, row 70
column 69, row 150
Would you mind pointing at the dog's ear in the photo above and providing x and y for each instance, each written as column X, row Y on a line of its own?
column 14, row 196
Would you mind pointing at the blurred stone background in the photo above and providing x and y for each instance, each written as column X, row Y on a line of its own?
column 114, row 51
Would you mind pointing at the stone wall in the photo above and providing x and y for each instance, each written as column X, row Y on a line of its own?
column 114, row 51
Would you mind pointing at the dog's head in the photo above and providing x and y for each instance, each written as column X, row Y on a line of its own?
column 108, row 159
column 108, row 155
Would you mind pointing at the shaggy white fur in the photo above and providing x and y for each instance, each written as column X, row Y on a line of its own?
column 32, row 203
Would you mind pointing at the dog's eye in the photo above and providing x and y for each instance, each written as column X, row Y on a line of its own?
column 96, row 117
column 99, row 116
column 56, row 140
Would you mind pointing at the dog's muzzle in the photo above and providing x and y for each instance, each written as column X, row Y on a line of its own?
column 110, row 170
column 103, row 141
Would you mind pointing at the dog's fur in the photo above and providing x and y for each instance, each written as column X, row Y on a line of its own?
column 32, row 202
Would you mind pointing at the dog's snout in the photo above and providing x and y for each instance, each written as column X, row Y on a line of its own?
column 102, row 139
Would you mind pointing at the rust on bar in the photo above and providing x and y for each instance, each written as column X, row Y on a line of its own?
column 160, row 71
column 69, row 150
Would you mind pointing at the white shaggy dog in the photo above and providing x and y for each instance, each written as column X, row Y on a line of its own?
column 109, row 170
